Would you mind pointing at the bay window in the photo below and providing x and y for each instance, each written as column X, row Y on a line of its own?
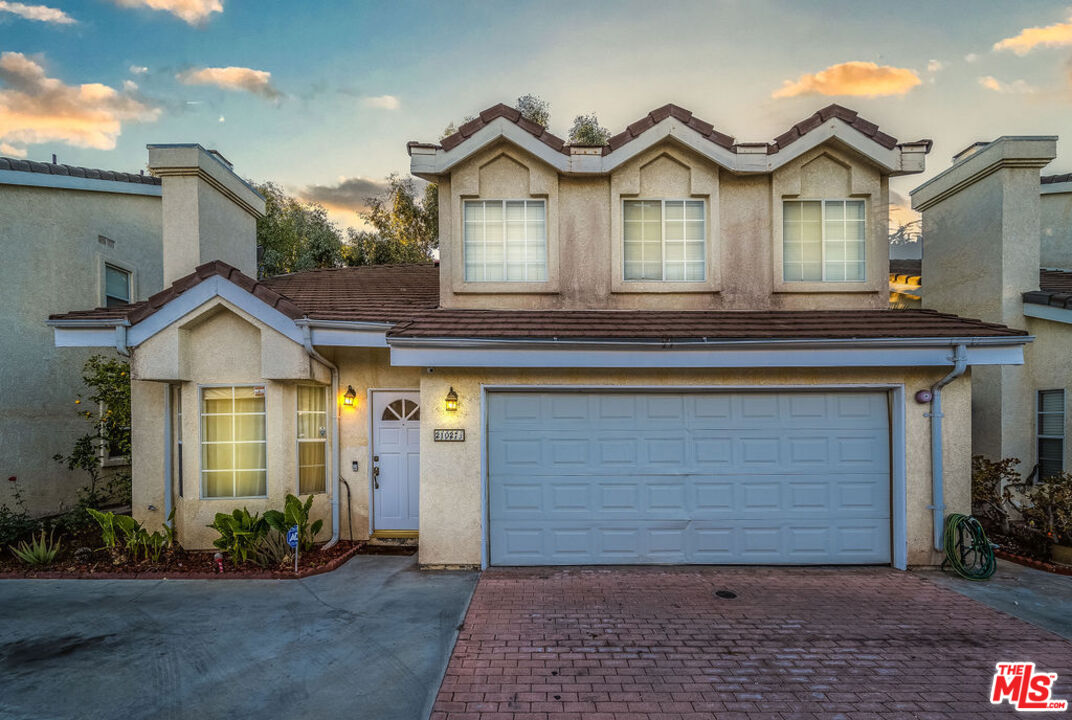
column 312, row 439
column 233, row 447
column 505, row 240
column 664, row 240
column 824, row 240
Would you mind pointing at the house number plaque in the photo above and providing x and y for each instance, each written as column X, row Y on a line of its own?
column 439, row 435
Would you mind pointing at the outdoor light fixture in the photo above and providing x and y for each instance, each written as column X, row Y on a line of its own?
column 452, row 400
column 348, row 398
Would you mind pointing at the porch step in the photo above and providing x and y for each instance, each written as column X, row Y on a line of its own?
column 390, row 541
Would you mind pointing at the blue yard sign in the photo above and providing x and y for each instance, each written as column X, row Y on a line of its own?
column 292, row 537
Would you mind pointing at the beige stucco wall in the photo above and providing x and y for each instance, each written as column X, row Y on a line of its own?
column 451, row 507
column 1055, row 222
column 584, row 230
column 52, row 263
column 217, row 344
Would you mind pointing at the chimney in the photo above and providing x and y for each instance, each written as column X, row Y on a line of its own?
column 210, row 213
column 981, row 229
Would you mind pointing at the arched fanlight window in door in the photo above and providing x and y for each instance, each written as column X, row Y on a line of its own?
column 402, row 410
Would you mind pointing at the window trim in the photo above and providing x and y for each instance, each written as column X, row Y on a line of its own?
column 201, row 441
column 298, row 441
column 1039, row 437
column 662, row 209
column 103, row 260
column 546, row 242
column 822, row 208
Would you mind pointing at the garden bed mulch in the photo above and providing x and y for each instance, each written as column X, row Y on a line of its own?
column 1033, row 563
column 185, row 565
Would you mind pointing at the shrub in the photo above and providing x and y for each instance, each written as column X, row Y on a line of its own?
column 272, row 550
column 37, row 551
column 295, row 513
column 992, row 485
column 1050, row 511
column 240, row 533
column 125, row 538
column 15, row 523
column 586, row 130
column 534, row 109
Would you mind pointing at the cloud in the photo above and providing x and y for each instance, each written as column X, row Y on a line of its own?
column 194, row 12
column 257, row 82
column 6, row 149
column 40, row 13
column 1055, row 35
column 852, row 78
column 935, row 65
column 138, row 69
column 350, row 194
column 971, row 57
column 1016, row 87
column 382, row 102
column 35, row 108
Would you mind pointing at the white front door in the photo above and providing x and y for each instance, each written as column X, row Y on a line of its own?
column 396, row 459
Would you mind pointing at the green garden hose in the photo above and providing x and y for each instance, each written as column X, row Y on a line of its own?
column 967, row 549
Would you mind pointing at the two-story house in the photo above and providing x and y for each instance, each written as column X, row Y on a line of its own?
column 674, row 348
column 997, row 245
column 69, row 237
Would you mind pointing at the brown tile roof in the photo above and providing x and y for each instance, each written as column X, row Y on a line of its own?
column 1054, row 179
column 379, row 293
column 1055, row 288
column 706, row 129
column 31, row 166
column 670, row 326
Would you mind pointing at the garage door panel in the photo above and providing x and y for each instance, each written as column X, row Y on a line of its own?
column 619, row 477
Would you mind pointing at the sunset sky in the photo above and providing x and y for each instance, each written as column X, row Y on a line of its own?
column 322, row 96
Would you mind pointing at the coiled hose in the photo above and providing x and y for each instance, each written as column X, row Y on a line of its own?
column 967, row 549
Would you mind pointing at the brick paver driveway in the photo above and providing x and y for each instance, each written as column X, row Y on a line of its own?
column 637, row 643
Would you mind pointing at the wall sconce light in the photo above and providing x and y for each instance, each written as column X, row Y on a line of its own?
column 348, row 398
column 452, row 400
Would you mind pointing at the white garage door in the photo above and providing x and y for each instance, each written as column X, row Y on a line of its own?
column 650, row 477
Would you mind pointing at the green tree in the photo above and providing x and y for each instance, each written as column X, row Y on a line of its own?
column 586, row 130
column 294, row 235
column 534, row 109
column 404, row 225
column 107, row 409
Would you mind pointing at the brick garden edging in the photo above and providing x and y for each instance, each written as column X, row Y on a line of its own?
column 1032, row 563
column 332, row 564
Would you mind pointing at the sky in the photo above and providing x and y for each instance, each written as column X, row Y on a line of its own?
column 321, row 97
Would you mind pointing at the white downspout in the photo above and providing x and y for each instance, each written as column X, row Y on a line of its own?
column 960, row 364
column 307, row 341
column 168, row 460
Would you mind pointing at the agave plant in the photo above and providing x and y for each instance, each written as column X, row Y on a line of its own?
column 39, row 551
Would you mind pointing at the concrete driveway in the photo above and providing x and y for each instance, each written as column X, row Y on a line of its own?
column 369, row 640
column 646, row 643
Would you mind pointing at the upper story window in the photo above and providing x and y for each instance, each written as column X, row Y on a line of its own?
column 824, row 240
column 234, row 451
column 505, row 241
column 664, row 240
column 116, row 286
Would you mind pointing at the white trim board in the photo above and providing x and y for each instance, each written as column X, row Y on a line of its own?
column 1048, row 312
column 897, row 161
column 70, row 182
column 727, row 357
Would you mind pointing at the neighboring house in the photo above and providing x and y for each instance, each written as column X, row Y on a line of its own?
column 69, row 237
column 672, row 349
column 990, row 222
column 905, row 283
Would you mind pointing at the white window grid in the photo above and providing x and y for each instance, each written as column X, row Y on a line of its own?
column 233, row 415
column 826, row 243
column 532, row 270
column 321, row 437
column 684, row 241
column 1041, row 417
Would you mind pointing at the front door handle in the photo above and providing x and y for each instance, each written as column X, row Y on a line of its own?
column 376, row 477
